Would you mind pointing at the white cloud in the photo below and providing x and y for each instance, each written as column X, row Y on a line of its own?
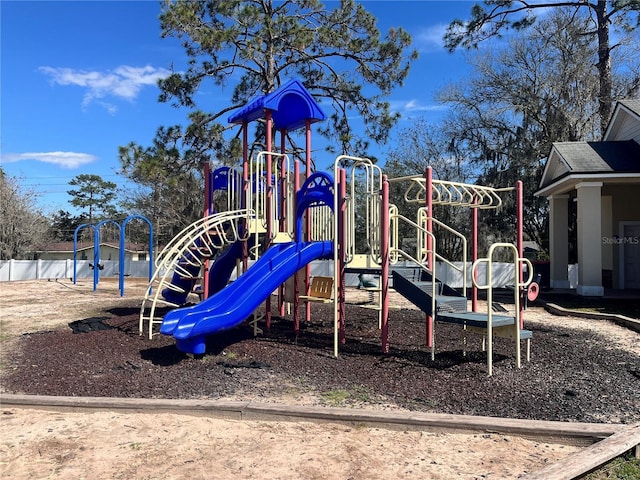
column 430, row 38
column 413, row 106
column 125, row 82
column 68, row 160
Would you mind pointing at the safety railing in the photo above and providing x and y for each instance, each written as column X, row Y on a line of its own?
column 367, row 187
column 280, row 197
column 396, row 252
column 488, row 286
column 423, row 219
column 321, row 223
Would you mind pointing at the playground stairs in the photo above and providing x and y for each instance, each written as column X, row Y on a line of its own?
column 416, row 285
column 187, row 277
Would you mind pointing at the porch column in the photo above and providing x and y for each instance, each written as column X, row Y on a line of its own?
column 590, row 239
column 559, row 240
column 607, row 247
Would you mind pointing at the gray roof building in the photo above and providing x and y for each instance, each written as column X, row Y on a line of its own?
column 603, row 180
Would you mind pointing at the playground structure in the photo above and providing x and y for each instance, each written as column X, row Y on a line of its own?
column 265, row 216
column 96, row 265
column 445, row 304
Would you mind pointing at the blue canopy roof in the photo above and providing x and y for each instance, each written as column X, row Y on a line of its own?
column 291, row 106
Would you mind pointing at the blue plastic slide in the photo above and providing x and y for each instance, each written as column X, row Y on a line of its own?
column 225, row 262
column 235, row 303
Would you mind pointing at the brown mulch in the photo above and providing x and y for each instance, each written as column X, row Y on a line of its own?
column 574, row 375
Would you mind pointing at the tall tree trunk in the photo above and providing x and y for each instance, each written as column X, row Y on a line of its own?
column 604, row 65
column 270, row 77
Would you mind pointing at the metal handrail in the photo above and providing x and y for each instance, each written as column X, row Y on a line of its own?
column 256, row 170
column 373, row 186
column 516, row 294
column 424, row 218
column 206, row 223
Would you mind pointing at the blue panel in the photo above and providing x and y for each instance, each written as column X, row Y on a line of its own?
column 316, row 190
column 221, row 180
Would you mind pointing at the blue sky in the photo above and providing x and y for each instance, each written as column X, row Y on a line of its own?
column 78, row 80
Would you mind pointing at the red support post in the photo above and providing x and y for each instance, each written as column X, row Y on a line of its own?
column 430, row 259
column 282, row 202
column 296, row 286
column 520, row 241
column 307, row 268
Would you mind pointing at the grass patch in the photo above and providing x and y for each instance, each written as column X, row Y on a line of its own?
column 298, row 386
column 361, row 394
column 335, row 397
column 626, row 467
column 292, row 390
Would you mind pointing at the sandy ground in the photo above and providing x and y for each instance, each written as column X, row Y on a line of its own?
column 41, row 444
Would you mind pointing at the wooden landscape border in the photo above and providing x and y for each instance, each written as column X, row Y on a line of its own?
column 603, row 442
column 588, row 459
column 621, row 320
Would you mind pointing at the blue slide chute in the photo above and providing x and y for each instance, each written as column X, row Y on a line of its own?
column 220, row 271
column 236, row 302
